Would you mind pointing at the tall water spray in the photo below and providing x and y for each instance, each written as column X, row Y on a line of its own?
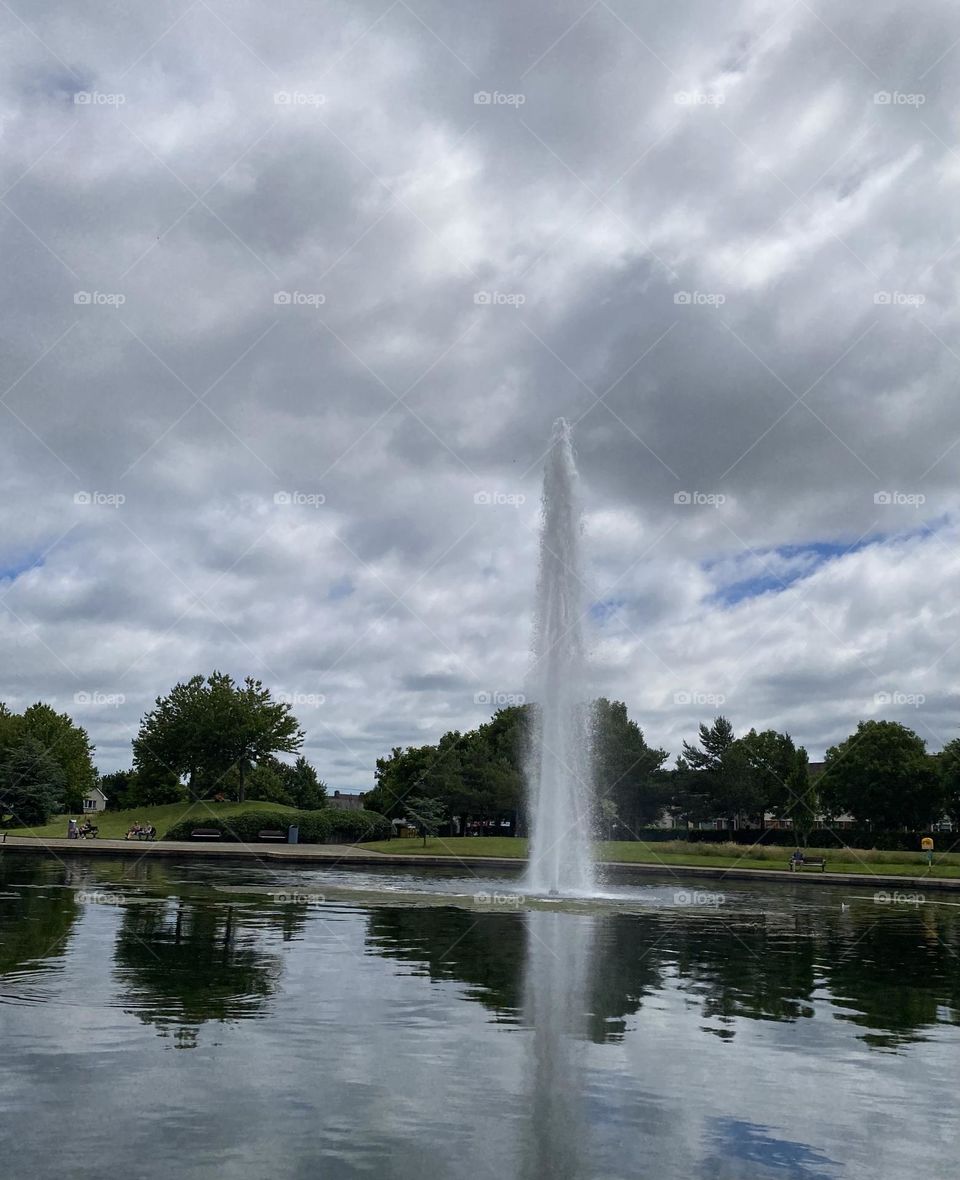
column 559, row 770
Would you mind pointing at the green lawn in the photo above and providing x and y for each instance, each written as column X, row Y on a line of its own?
column 115, row 824
column 681, row 852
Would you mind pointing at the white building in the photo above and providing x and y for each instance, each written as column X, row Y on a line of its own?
column 94, row 800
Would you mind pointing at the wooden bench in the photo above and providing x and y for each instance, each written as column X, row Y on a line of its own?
column 808, row 862
column 205, row 834
column 272, row 834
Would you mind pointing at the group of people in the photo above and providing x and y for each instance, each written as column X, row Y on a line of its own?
column 84, row 831
column 141, row 831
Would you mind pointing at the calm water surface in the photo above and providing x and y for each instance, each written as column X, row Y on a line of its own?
column 191, row 1020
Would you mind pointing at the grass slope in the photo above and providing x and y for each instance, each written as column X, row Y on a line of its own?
column 114, row 825
column 681, row 852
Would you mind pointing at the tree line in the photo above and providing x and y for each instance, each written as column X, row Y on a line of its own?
column 209, row 737
column 213, row 737
column 881, row 777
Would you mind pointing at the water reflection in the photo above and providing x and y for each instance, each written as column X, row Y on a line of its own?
column 185, row 963
column 557, row 974
column 36, row 920
column 769, row 1037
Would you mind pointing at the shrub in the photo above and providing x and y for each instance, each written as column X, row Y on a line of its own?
column 327, row 826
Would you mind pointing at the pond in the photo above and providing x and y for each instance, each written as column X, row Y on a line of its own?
column 181, row 1018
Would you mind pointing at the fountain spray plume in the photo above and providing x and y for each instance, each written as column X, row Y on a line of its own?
column 559, row 762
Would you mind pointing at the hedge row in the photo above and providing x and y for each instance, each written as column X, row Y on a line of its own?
column 327, row 826
column 785, row 838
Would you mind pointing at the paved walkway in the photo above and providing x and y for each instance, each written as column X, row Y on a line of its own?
column 352, row 854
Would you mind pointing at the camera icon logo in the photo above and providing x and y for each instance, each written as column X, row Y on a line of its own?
column 882, row 498
column 81, row 497
column 281, row 297
column 482, row 498
column 82, row 297
column 482, row 98
column 682, row 498
column 882, row 98
column 482, row 298
column 683, row 297
column 282, row 498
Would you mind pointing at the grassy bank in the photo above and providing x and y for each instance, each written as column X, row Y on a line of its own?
column 682, row 852
column 114, row 825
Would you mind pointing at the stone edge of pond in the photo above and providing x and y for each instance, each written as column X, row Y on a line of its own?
column 350, row 855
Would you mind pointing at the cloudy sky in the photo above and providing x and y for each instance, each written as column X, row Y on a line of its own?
column 292, row 294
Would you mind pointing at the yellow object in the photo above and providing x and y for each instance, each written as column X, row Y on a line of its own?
column 926, row 844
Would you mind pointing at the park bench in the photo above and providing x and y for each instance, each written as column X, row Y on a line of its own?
column 808, row 862
column 272, row 834
column 205, row 834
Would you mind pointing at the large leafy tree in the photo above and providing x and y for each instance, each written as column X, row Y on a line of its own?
column 626, row 770
column 32, row 784
column 69, row 747
column 948, row 765
column 306, row 789
column 883, row 777
column 207, row 728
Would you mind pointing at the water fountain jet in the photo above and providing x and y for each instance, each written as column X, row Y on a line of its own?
column 559, row 763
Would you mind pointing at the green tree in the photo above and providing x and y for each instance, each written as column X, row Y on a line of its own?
column 804, row 792
column 883, row 777
column 32, row 784
column 68, row 745
column 626, row 769
column 948, row 766
column 717, row 777
column 206, row 728
column 771, row 761
column 428, row 814
column 268, row 783
column 306, row 789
